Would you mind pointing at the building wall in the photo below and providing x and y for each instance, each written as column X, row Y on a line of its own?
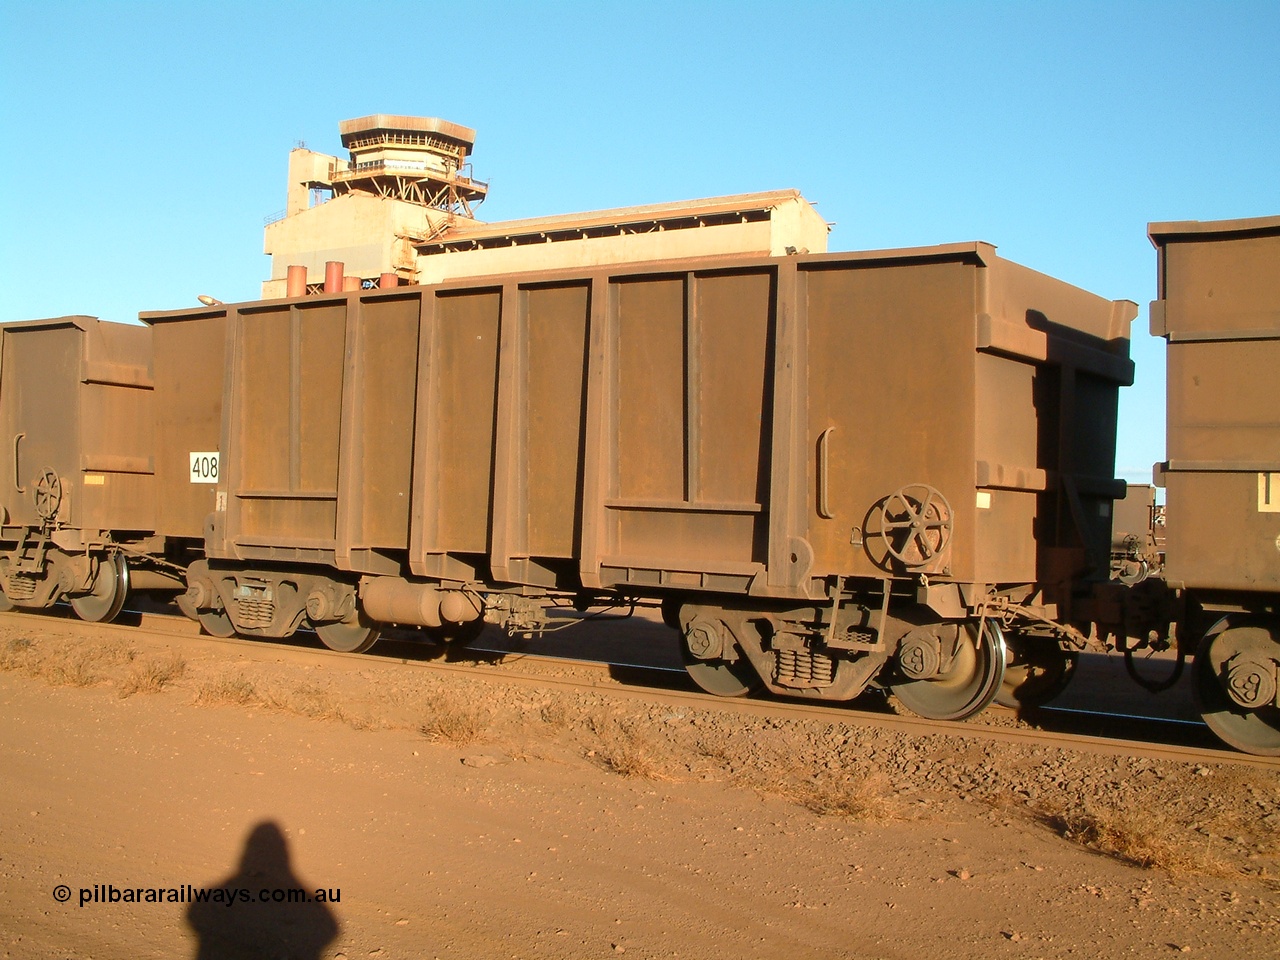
column 793, row 224
column 305, row 167
column 367, row 234
column 595, row 251
column 797, row 224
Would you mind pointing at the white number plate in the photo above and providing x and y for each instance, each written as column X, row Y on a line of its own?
column 204, row 467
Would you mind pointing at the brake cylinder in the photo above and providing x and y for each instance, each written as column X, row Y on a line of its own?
column 392, row 600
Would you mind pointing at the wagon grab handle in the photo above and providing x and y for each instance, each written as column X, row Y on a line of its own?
column 824, row 509
column 16, row 438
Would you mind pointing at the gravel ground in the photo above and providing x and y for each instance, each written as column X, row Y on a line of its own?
column 762, row 835
column 1219, row 818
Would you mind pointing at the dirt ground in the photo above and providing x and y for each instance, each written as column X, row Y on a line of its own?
column 452, row 817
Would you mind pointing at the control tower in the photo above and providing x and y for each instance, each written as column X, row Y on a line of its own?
column 421, row 160
column 406, row 180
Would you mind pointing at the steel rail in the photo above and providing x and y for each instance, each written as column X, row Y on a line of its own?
column 393, row 653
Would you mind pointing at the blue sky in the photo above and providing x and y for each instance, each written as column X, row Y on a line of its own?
column 148, row 141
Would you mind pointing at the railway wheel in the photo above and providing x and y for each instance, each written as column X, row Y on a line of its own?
column 722, row 678
column 216, row 623
column 702, row 646
column 1235, row 685
column 106, row 595
column 1036, row 671
column 956, row 687
column 349, row 637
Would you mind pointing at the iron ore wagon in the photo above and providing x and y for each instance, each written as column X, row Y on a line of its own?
column 831, row 470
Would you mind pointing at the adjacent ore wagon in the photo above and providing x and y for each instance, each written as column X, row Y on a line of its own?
column 77, row 495
column 1219, row 310
column 831, row 470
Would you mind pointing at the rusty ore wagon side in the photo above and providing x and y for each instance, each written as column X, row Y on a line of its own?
column 77, row 476
column 831, row 469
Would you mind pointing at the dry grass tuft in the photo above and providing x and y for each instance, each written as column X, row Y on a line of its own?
column 450, row 720
column 77, row 664
column 555, row 714
column 309, row 700
column 1141, row 839
column 226, row 688
column 867, row 799
column 153, row 674
column 855, row 794
column 714, row 748
column 306, row 699
column 115, row 653
column 357, row 722
column 628, row 753
column 66, row 667
column 16, row 653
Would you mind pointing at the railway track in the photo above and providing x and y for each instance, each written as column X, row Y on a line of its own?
column 1073, row 730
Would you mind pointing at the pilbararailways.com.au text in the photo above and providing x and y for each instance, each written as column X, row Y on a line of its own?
column 101, row 893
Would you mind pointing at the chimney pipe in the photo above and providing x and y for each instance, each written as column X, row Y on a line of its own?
column 296, row 285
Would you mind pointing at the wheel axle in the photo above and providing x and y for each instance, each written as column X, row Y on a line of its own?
column 1251, row 680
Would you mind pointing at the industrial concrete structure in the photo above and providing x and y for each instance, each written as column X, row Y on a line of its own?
column 403, row 201
column 406, row 179
column 754, row 224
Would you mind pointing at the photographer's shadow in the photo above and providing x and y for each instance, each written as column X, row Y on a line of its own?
column 231, row 922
